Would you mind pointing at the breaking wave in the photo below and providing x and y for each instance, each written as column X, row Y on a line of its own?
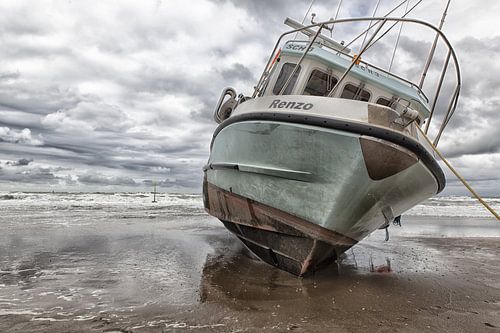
column 454, row 206
column 139, row 205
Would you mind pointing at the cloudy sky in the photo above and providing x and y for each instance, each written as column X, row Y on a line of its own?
column 112, row 95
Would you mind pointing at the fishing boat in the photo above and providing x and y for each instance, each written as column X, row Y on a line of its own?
column 328, row 149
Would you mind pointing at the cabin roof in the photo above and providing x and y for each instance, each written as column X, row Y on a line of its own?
column 340, row 62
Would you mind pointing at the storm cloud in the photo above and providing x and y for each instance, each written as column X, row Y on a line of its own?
column 105, row 96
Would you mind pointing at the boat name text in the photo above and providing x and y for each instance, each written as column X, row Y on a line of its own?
column 296, row 47
column 277, row 103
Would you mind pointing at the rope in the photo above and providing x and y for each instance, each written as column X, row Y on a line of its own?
column 478, row 197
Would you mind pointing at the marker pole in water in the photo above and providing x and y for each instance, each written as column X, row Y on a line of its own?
column 154, row 192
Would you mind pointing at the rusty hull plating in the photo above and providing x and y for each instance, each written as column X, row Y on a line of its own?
column 278, row 238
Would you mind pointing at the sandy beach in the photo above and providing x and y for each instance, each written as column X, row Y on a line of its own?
column 171, row 267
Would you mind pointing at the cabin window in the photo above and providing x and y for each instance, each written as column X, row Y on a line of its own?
column 320, row 83
column 356, row 93
column 384, row 101
column 286, row 70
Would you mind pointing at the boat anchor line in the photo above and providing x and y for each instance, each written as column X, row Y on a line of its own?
column 455, row 172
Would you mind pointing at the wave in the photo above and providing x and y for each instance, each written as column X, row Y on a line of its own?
column 454, row 206
column 170, row 204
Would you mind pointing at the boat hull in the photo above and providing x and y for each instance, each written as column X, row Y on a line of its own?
column 298, row 195
column 278, row 238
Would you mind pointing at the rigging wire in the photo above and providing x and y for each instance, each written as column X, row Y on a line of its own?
column 378, row 22
column 397, row 40
column 392, row 26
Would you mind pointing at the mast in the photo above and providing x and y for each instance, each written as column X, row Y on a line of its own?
column 433, row 48
column 336, row 15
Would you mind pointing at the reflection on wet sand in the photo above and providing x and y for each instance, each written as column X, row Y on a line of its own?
column 425, row 291
column 239, row 277
column 189, row 273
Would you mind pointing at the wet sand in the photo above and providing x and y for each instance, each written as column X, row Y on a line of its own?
column 187, row 273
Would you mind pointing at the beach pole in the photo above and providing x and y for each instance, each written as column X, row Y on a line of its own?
column 154, row 192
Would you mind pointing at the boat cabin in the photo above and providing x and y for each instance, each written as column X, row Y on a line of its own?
column 321, row 69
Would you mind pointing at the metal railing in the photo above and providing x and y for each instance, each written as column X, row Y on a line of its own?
column 379, row 69
column 381, row 21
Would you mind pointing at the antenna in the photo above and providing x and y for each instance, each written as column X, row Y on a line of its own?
column 338, row 9
column 433, row 48
column 310, row 33
column 305, row 16
column 336, row 15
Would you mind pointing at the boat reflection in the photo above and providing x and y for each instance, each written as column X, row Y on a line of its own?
column 239, row 278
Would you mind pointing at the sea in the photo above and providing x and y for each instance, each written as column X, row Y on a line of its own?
column 17, row 206
column 70, row 257
column 80, row 209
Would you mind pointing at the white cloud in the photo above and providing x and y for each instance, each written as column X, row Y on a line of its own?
column 19, row 136
column 87, row 117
